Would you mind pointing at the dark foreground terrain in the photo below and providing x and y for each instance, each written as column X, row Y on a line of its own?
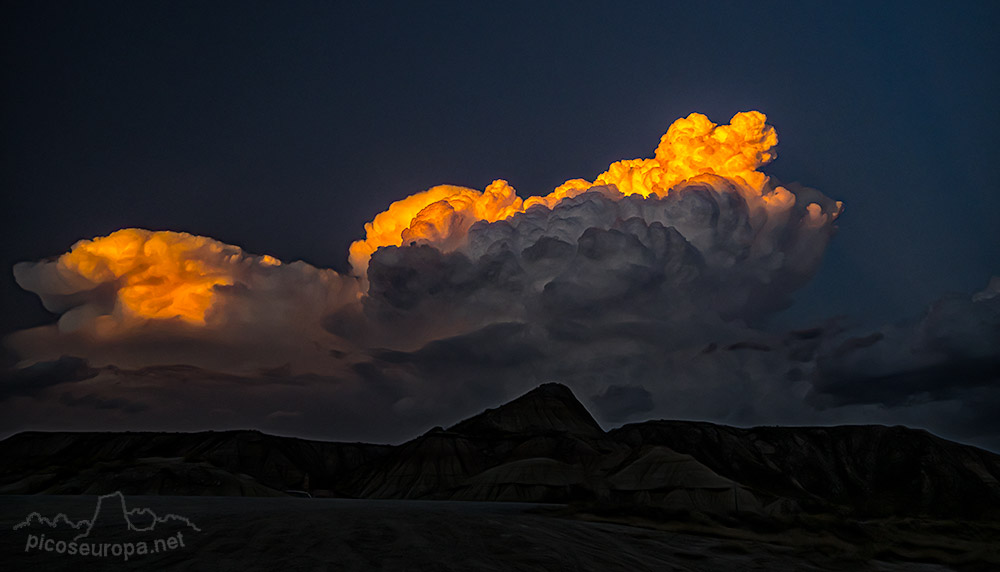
column 658, row 495
column 324, row 534
column 543, row 447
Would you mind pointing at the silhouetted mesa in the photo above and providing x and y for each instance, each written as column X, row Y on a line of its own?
column 541, row 447
column 548, row 407
column 227, row 463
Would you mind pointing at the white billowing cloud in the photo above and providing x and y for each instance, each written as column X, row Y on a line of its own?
column 704, row 249
column 139, row 297
column 643, row 290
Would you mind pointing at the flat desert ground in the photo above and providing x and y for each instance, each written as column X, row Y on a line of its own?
column 334, row 534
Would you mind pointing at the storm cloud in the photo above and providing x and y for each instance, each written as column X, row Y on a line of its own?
column 647, row 290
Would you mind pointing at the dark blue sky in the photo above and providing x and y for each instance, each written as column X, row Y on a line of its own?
column 284, row 127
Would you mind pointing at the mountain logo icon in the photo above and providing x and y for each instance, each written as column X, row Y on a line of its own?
column 113, row 517
column 106, row 513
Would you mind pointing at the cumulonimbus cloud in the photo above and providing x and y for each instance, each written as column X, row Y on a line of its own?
column 140, row 297
column 655, row 256
column 697, row 228
column 641, row 289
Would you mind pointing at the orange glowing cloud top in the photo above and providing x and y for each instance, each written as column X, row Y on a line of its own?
column 692, row 147
column 158, row 275
column 171, row 275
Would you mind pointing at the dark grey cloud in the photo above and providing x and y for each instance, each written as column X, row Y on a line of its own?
column 624, row 372
column 94, row 401
column 953, row 347
column 620, row 402
column 701, row 254
column 648, row 307
column 36, row 378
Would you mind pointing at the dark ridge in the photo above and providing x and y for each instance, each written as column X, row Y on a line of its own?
column 548, row 407
column 543, row 446
column 99, row 463
column 873, row 469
